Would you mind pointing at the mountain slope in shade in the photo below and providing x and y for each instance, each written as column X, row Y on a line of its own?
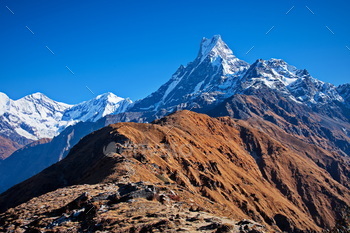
column 29, row 161
column 327, row 127
column 344, row 91
column 220, row 161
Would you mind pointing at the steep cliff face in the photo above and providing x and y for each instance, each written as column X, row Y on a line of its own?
column 232, row 168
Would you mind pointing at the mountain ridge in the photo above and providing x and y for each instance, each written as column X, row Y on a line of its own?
column 217, row 74
column 283, row 190
column 205, row 85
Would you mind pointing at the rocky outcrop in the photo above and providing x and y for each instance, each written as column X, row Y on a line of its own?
column 102, row 207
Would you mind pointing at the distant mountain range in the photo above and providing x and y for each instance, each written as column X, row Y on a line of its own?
column 36, row 116
column 216, row 83
column 217, row 74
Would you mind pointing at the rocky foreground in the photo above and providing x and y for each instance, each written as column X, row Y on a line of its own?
column 122, row 207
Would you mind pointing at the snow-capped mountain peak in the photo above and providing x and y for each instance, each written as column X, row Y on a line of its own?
column 288, row 72
column 219, row 54
column 109, row 96
column 4, row 101
column 297, row 84
column 37, row 116
column 3, row 96
column 275, row 72
column 214, row 47
column 33, row 117
column 209, row 77
column 260, row 74
column 36, row 95
column 217, row 74
column 96, row 108
column 39, row 99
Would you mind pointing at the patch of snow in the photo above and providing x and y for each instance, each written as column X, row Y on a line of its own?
column 171, row 87
column 25, row 133
column 198, row 87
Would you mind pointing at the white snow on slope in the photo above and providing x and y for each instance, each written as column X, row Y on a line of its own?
column 217, row 74
column 37, row 116
column 286, row 73
column 34, row 116
column 170, row 88
column 94, row 109
column 220, row 54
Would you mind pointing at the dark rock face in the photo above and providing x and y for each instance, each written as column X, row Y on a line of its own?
column 297, row 119
column 30, row 160
column 344, row 91
column 283, row 223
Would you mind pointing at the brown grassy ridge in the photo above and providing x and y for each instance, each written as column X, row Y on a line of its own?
column 250, row 169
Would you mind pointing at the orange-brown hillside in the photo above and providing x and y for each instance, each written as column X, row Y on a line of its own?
column 7, row 147
column 230, row 168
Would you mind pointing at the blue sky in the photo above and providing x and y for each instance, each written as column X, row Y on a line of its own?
column 130, row 48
